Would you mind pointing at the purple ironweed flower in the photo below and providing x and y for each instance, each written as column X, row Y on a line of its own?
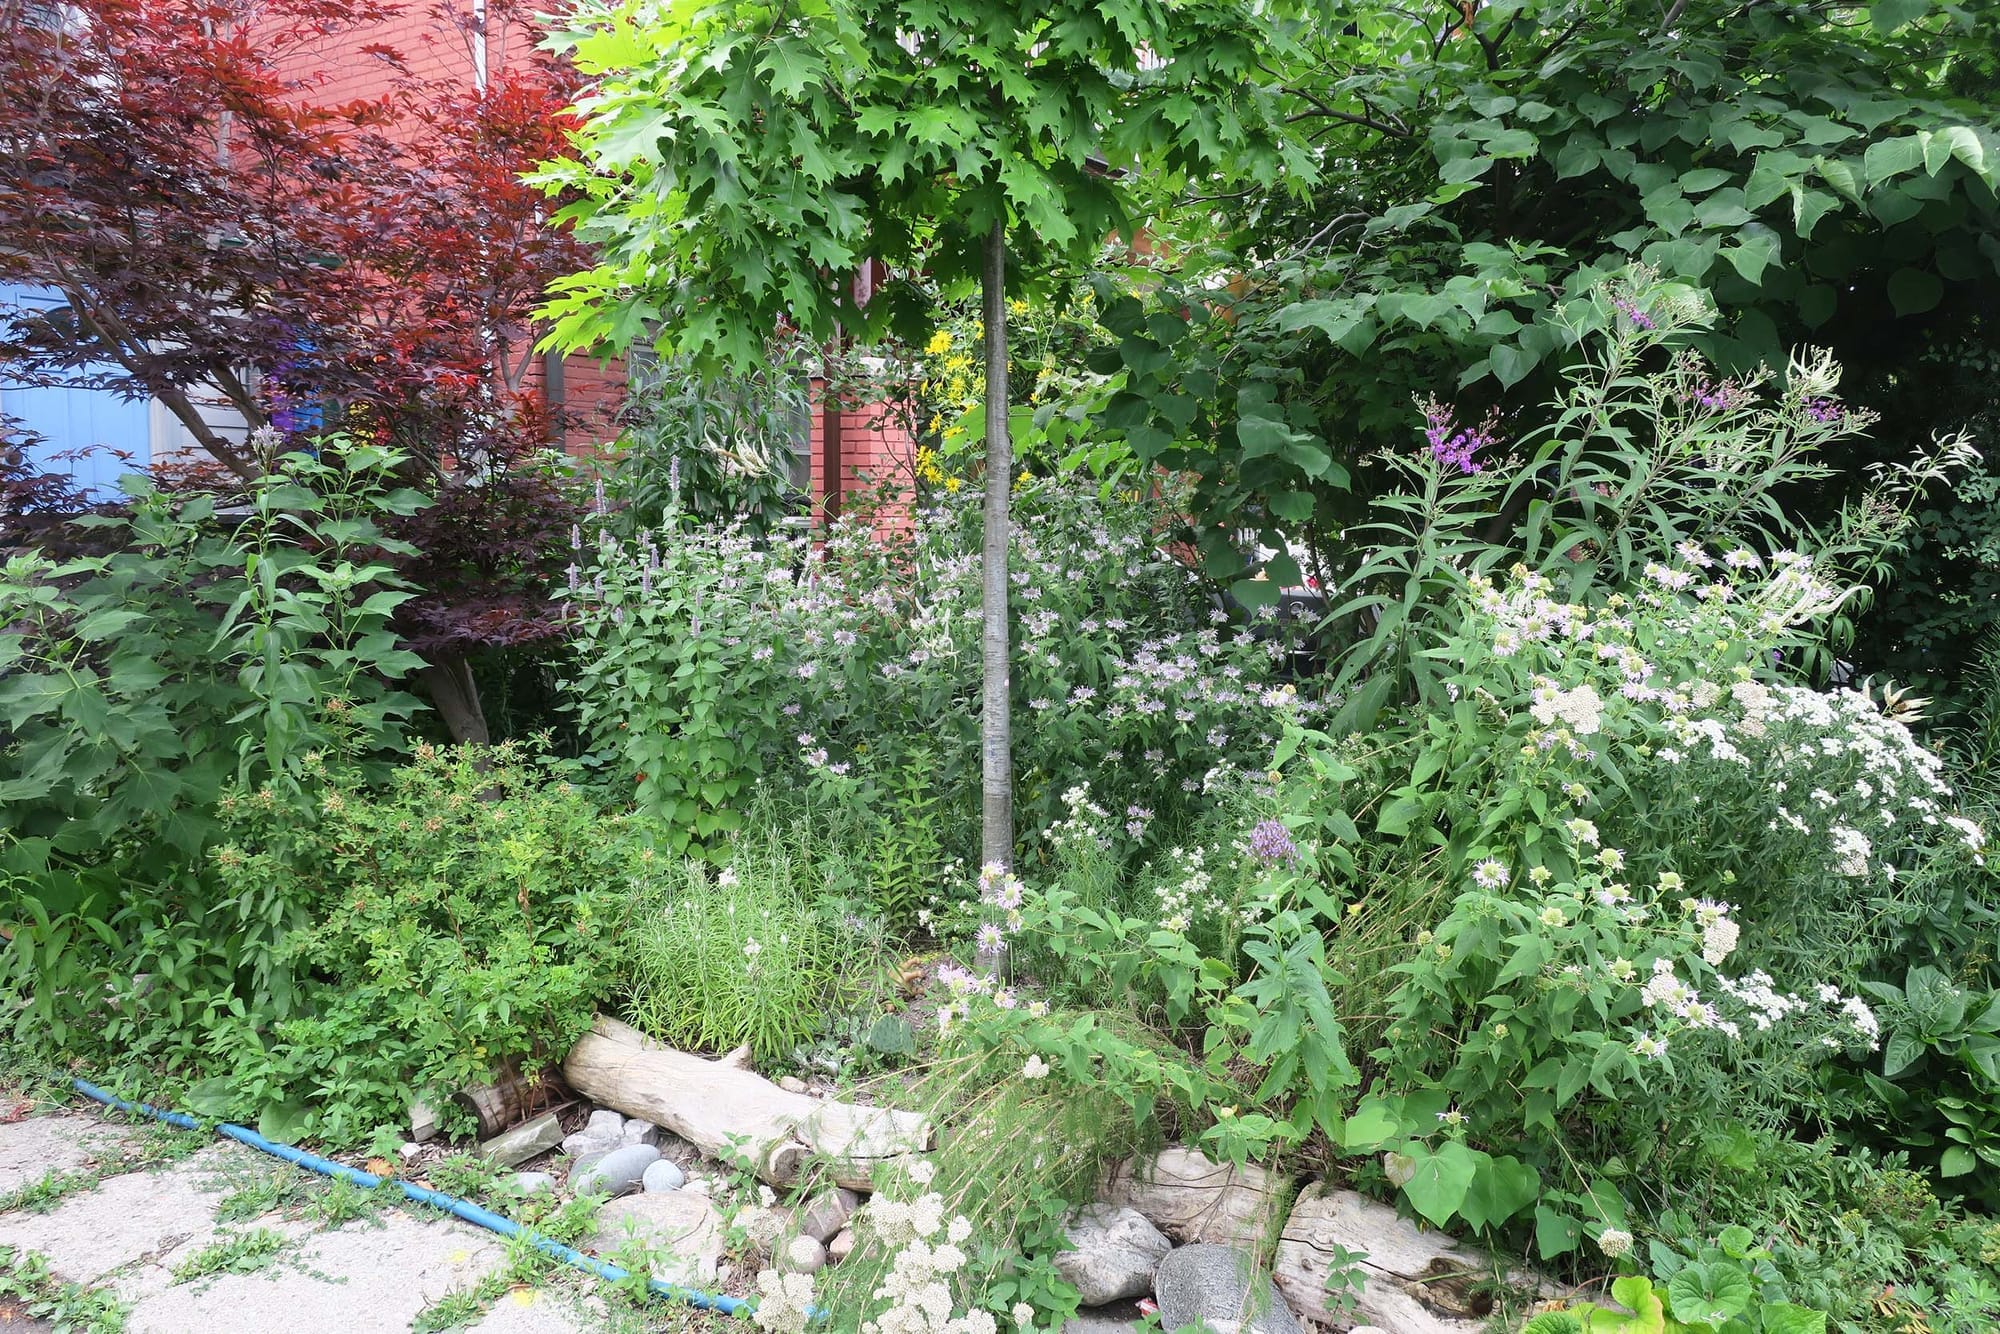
column 1722, row 397
column 1823, row 410
column 1452, row 444
column 1630, row 310
column 1271, row 843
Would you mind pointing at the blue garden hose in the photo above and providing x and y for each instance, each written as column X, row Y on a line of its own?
column 451, row 1204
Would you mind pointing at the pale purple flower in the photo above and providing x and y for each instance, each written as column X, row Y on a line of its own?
column 1271, row 843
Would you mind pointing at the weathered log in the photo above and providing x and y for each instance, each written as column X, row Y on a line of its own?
column 510, row 1099
column 1417, row 1282
column 724, row 1111
column 1191, row 1199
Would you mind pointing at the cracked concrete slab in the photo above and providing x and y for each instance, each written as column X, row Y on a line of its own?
column 31, row 1149
column 533, row 1311
column 360, row 1279
column 128, row 1225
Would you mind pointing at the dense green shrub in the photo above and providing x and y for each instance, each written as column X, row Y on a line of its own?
column 464, row 917
column 205, row 648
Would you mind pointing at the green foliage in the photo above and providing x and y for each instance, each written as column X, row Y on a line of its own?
column 232, row 1253
column 69, row 1308
column 1817, row 176
column 791, row 146
column 758, row 953
column 462, row 918
column 205, row 649
column 699, row 448
column 1937, row 1089
column 48, row 1190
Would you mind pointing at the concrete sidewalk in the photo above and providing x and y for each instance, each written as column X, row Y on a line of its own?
column 156, row 1217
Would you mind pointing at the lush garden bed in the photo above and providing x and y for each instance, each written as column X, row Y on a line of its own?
column 1581, row 924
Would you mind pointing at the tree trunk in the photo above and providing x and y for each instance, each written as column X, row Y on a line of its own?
column 447, row 679
column 996, row 825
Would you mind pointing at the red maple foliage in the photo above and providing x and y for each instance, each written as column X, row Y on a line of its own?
column 215, row 220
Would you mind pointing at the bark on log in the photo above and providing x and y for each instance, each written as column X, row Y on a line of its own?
column 509, row 1100
column 722, row 1110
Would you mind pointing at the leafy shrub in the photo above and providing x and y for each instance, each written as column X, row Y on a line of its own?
column 761, row 952
column 465, row 917
column 204, row 649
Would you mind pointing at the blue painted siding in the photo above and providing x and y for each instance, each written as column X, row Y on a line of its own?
column 92, row 435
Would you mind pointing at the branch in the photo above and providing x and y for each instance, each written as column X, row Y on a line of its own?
column 113, row 334
column 1392, row 127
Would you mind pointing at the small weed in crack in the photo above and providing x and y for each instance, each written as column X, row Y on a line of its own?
column 25, row 1282
column 53, row 1188
column 238, row 1253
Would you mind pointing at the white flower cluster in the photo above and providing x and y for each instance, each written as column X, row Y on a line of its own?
column 1186, row 890
column 918, row 1286
column 1082, row 830
column 1579, row 709
column 1831, row 766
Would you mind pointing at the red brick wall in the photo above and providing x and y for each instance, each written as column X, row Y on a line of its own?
column 877, row 461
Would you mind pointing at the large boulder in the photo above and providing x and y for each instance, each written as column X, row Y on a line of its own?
column 1220, row 1287
column 1416, row 1282
column 1113, row 1254
column 680, row 1231
column 1192, row 1199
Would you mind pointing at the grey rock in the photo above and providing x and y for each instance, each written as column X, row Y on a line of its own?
column 827, row 1213
column 532, row 1183
column 604, row 1132
column 662, row 1176
column 681, row 1232
column 641, row 1132
column 1114, row 1253
column 1220, row 1287
column 523, row 1141
column 802, row 1255
column 841, row 1246
column 792, row 1084
column 616, row 1173
column 410, row 1152
column 762, row 1227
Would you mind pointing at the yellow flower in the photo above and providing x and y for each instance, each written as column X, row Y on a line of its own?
column 940, row 343
column 952, row 484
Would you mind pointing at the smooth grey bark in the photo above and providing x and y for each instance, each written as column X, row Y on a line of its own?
column 996, row 770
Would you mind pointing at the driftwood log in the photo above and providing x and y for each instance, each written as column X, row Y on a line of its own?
column 510, row 1099
column 1417, row 1282
column 723, row 1110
